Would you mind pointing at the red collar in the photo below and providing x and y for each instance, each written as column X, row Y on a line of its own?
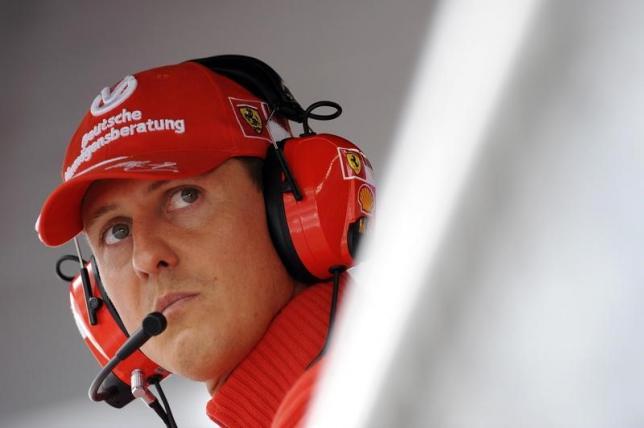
column 254, row 390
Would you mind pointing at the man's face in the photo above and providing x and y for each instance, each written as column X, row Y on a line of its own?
column 200, row 245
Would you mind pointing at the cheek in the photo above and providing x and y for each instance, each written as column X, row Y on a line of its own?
column 244, row 252
column 229, row 234
column 125, row 299
column 245, row 285
column 256, row 277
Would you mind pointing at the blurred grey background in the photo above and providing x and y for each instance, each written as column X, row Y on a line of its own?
column 532, row 313
column 57, row 55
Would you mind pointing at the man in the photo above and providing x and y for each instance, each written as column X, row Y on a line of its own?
column 165, row 177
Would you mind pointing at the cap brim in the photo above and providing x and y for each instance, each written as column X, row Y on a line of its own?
column 60, row 217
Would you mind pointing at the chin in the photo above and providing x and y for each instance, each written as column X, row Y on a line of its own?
column 200, row 359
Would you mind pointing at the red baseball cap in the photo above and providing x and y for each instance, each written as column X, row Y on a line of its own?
column 166, row 123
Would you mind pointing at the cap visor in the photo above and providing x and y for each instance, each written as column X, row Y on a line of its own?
column 60, row 218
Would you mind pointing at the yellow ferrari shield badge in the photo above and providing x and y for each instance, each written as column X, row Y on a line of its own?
column 354, row 162
column 251, row 116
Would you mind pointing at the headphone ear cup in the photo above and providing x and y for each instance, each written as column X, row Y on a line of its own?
column 321, row 231
column 106, row 336
column 274, row 189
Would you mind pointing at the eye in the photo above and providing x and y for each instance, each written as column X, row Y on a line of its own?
column 183, row 198
column 116, row 233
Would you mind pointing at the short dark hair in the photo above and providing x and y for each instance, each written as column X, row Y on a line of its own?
column 255, row 168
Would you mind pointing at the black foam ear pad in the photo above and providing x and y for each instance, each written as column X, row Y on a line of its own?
column 105, row 298
column 274, row 187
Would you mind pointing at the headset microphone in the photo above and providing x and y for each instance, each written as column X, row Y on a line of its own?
column 153, row 324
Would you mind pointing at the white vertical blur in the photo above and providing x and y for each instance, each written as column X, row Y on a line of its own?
column 506, row 284
column 469, row 54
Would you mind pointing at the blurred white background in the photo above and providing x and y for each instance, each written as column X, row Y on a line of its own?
column 526, row 308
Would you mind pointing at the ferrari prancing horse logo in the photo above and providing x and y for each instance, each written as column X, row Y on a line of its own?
column 251, row 116
column 354, row 162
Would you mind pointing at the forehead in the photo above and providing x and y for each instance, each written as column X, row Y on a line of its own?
column 105, row 194
column 126, row 188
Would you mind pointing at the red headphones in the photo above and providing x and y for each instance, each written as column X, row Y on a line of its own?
column 319, row 195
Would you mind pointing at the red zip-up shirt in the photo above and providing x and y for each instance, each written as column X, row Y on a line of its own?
column 273, row 385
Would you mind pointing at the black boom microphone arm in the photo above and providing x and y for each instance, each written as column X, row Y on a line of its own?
column 153, row 324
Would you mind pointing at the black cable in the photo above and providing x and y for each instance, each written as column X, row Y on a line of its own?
column 94, row 393
column 336, row 271
column 171, row 422
column 159, row 411
column 308, row 113
column 63, row 259
column 334, row 301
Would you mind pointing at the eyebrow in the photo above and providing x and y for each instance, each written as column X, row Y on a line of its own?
column 155, row 185
column 99, row 213
column 105, row 209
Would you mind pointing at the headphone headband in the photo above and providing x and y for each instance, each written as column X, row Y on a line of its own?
column 260, row 79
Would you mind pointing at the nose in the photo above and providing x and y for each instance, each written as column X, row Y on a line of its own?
column 152, row 250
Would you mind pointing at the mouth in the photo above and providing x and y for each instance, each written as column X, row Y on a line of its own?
column 171, row 300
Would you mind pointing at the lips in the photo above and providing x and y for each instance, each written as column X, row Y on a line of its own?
column 167, row 300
